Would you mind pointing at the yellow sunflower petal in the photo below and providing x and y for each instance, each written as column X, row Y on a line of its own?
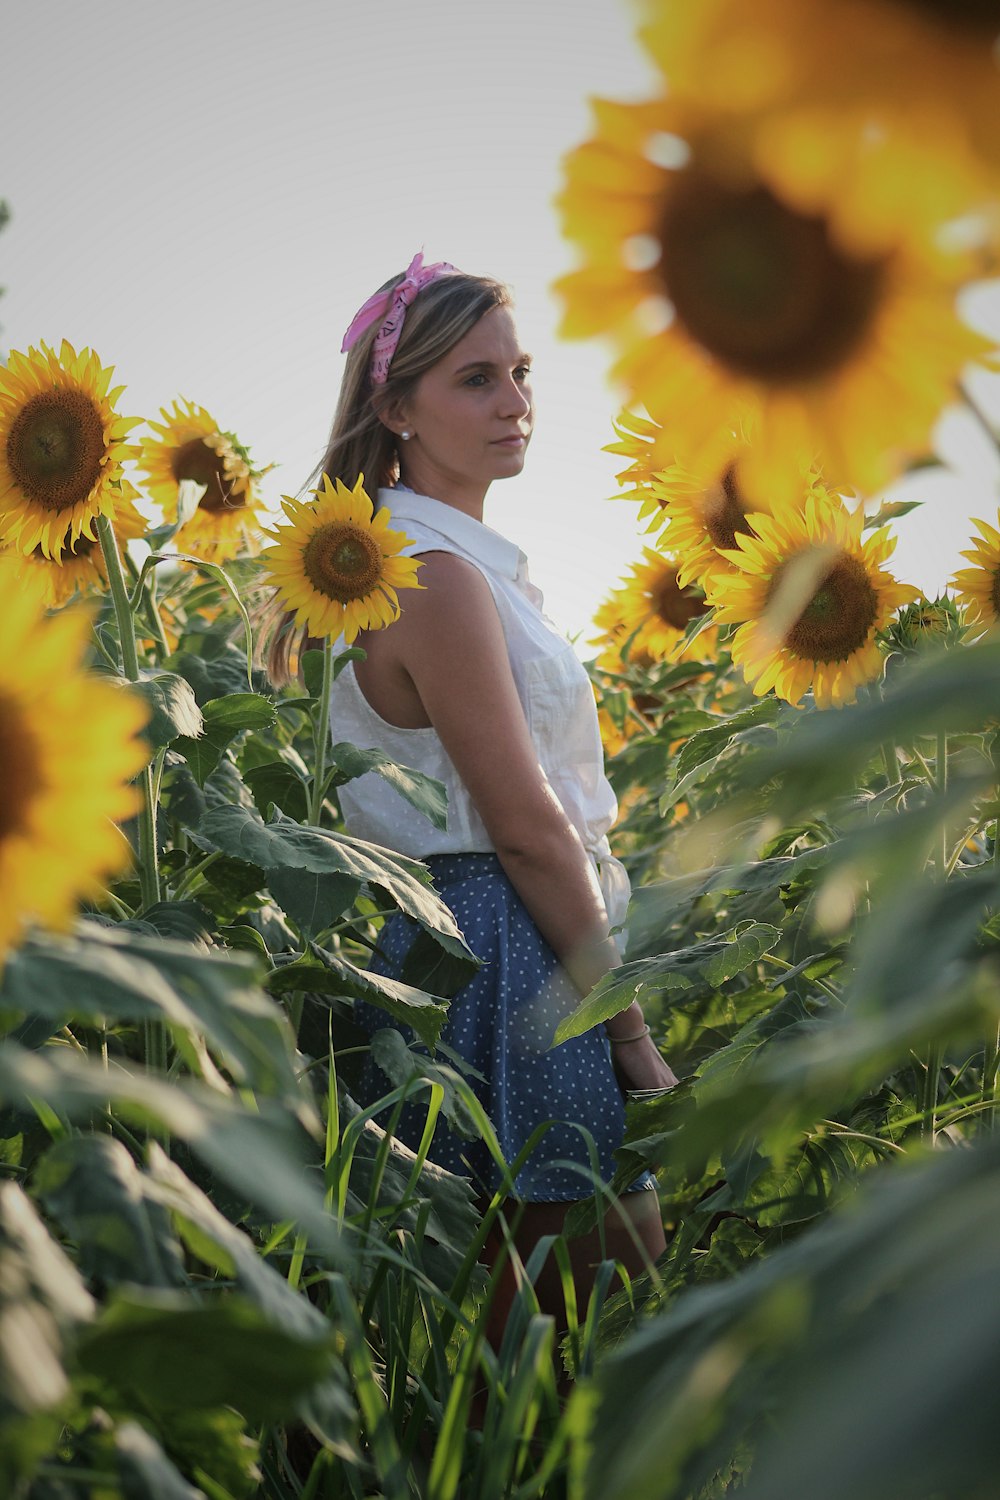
column 334, row 566
column 809, row 596
column 793, row 295
column 188, row 445
column 68, row 748
column 61, row 448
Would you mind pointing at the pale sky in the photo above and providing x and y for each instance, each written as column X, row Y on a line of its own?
column 205, row 191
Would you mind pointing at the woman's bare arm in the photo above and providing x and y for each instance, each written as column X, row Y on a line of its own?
column 451, row 643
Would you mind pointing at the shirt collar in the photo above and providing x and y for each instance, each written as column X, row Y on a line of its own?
column 476, row 538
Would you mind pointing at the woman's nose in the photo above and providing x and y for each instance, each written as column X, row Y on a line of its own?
column 515, row 400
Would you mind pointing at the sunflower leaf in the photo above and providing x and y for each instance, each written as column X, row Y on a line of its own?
column 118, row 975
column 706, row 965
column 333, row 976
column 259, row 1153
column 173, row 1354
column 223, row 719
column 282, row 844
column 173, row 708
column 423, row 792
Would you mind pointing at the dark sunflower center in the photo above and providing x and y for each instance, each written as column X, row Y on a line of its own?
column 343, row 562
column 995, row 594
column 725, row 512
column 676, row 606
column 762, row 288
column 970, row 15
column 196, row 460
column 839, row 616
column 20, row 781
column 55, row 448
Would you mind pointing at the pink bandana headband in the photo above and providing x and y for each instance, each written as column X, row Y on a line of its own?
column 391, row 307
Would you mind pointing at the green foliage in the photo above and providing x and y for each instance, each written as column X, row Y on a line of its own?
column 226, row 1279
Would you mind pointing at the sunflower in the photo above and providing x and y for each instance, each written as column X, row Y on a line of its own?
column 978, row 587
column 650, row 612
column 809, row 595
column 775, row 276
column 337, row 565
column 61, row 447
column 188, row 445
column 925, row 69
column 68, row 746
column 78, row 567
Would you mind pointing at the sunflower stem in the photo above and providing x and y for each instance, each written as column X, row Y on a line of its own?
column 145, row 589
column 321, row 737
column 933, row 1075
column 149, row 874
column 991, row 1051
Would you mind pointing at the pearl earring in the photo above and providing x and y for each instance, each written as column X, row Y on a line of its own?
column 406, row 436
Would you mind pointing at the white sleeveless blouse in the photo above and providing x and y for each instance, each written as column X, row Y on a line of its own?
column 554, row 690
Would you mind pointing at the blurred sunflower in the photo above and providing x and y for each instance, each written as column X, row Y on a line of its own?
column 68, row 747
column 978, row 587
column 336, row 564
column 79, row 566
column 188, row 445
column 924, row 69
column 809, row 595
column 61, row 447
column 650, row 612
column 780, row 276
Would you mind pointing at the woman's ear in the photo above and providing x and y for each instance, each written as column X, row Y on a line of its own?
column 391, row 413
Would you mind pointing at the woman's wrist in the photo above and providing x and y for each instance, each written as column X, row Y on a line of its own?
column 628, row 1025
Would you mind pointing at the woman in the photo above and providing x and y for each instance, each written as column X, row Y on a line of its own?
column 474, row 686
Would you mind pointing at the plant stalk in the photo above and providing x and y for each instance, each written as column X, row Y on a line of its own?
column 932, row 1077
column 321, row 738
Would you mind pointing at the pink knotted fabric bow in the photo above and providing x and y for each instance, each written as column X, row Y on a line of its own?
column 391, row 307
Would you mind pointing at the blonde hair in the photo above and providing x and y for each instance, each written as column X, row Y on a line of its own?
column 360, row 442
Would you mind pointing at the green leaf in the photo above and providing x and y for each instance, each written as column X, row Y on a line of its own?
column 42, row 1302
column 170, row 1354
column 422, row 792
column 858, row 1360
column 284, row 845
column 93, row 1188
column 223, row 719
column 708, row 744
column 312, row 667
column 400, row 1064
column 145, row 1471
column 258, row 1152
column 707, row 964
column 276, row 783
column 335, row 976
column 199, row 1221
column 891, row 510
column 452, row 1219
column 314, row 902
column 214, row 676
column 185, row 921
column 823, row 754
column 655, row 907
column 173, row 708
column 107, row 974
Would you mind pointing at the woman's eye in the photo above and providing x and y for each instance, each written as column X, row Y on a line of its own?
column 523, row 372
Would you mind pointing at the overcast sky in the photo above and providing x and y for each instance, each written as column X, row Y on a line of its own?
column 205, row 191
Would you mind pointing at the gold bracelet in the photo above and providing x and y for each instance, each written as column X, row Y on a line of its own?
column 616, row 1041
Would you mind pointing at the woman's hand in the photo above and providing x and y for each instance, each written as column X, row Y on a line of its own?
column 637, row 1061
column 639, row 1065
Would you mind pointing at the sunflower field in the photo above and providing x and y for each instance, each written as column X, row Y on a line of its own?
column 220, row 1277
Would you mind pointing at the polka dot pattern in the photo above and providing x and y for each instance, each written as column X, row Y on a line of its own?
column 502, row 1022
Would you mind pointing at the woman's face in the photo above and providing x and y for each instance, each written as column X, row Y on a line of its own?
column 469, row 416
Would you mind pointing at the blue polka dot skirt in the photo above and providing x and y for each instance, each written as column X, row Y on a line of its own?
column 502, row 1022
